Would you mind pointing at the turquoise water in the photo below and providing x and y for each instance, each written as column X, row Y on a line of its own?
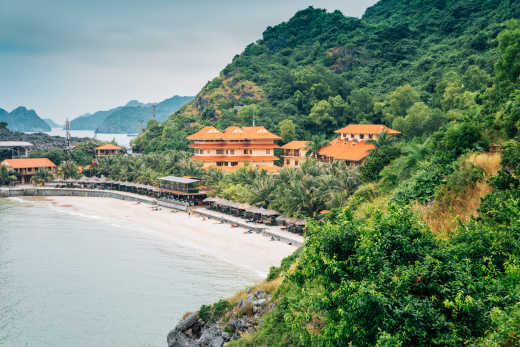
column 72, row 280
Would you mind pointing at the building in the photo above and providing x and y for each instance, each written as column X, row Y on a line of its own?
column 294, row 153
column 15, row 149
column 181, row 188
column 28, row 167
column 235, row 147
column 352, row 146
column 107, row 150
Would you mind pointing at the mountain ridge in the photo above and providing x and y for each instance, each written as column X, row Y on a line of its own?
column 23, row 120
column 127, row 118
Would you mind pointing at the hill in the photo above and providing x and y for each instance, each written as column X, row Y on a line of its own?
column 22, row 119
column 323, row 70
column 127, row 118
column 52, row 123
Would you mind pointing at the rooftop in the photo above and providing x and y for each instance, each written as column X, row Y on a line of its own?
column 367, row 129
column 15, row 144
column 347, row 150
column 28, row 163
column 234, row 133
column 296, row 145
column 109, row 146
column 175, row 179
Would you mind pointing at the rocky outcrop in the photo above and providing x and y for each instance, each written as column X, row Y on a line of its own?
column 193, row 331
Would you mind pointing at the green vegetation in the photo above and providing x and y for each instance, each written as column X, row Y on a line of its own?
column 7, row 176
column 374, row 274
column 409, row 64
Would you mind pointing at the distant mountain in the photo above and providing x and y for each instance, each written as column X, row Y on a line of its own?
column 22, row 119
column 127, row 118
column 52, row 123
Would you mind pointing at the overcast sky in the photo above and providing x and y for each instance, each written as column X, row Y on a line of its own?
column 66, row 58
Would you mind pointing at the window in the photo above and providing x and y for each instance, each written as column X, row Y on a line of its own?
column 296, row 152
column 267, row 151
column 296, row 162
column 234, row 163
column 232, row 151
column 362, row 136
column 245, row 151
column 370, row 136
column 220, row 163
column 220, row 151
column 287, row 162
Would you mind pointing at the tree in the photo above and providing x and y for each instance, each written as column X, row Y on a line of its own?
column 69, row 169
column 287, row 130
column 321, row 115
column 475, row 78
column 7, row 175
column 316, row 143
column 507, row 67
column 383, row 139
column 43, row 175
column 247, row 113
column 361, row 104
column 401, row 100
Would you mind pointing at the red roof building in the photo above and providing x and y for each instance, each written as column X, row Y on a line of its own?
column 294, row 153
column 107, row 150
column 235, row 147
column 27, row 167
column 352, row 146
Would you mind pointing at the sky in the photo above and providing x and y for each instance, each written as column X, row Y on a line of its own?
column 67, row 58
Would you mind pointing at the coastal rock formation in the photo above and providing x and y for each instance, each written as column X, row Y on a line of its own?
column 193, row 331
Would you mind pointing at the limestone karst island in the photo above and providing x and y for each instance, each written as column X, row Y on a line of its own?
column 276, row 173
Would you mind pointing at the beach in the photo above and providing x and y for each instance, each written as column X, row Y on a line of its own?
column 252, row 251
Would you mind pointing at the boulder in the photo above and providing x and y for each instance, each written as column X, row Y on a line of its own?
column 211, row 337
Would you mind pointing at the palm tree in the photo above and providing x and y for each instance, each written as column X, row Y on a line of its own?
column 69, row 169
column 316, row 143
column 43, row 175
column 7, row 175
column 383, row 139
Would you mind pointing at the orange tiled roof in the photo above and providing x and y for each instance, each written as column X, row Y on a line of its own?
column 347, row 150
column 207, row 133
column 367, row 129
column 220, row 145
column 234, row 157
column 109, row 146
column 296, row 145
column 234, row 133
column 28, row 163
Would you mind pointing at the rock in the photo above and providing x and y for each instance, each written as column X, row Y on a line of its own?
column 259, row 305
column 187, row 323
column 178, row 339
column 211, row 337
column 241, row 304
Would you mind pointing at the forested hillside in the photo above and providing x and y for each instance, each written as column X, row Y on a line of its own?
column 320, row 71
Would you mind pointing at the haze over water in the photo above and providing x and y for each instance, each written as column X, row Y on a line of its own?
column 76, row 280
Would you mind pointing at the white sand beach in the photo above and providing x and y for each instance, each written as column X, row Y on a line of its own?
column 250, row 250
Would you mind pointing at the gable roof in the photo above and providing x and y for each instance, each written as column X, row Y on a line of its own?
column 109, row 146
column 234, row 133
column 367, row 129
column 206, row 133
column 347, row 150
column 28, row 163
column 296, row 145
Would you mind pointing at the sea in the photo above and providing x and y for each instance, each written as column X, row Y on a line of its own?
column 68, row 279
column 120, row 139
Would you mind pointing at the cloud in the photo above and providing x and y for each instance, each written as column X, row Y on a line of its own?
column 65, row 58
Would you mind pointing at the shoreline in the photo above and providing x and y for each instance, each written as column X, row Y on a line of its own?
column 210, row 237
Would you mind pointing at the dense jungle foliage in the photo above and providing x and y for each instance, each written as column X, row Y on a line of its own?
column 374, row 274
column 404, row 62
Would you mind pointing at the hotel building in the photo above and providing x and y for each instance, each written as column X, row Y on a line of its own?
column 352, row 146
column 107, row 150
column 28, row 167
column 294, row 153
column 235, row 147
